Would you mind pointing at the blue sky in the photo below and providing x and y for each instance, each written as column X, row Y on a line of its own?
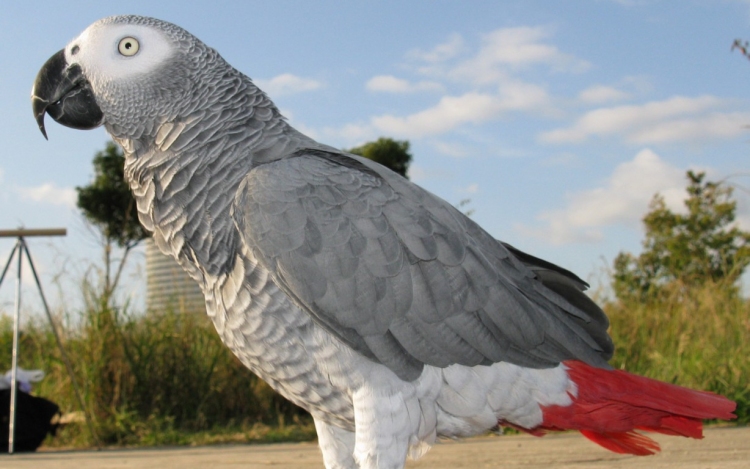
column 559, row 120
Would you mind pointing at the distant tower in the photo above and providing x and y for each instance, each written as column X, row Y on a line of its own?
column 168, row 286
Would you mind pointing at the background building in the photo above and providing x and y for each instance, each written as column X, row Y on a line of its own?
column 168, row 286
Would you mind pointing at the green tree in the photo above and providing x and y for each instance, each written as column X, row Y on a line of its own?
column 393, row 154
column 108, row 204
column 692, row 248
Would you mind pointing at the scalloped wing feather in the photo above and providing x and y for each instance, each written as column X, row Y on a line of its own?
column 400, row 275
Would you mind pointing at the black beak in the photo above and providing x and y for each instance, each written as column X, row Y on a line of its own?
column 65, row 94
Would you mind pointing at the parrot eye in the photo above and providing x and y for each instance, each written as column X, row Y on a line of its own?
column 128, row 46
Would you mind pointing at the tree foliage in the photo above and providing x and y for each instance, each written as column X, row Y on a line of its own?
column 108, row 204
column 693, row 248
column 393, row 154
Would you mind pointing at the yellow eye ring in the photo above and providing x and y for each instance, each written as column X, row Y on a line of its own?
column 128, row 46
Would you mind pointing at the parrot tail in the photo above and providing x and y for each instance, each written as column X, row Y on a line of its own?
column 612, row 404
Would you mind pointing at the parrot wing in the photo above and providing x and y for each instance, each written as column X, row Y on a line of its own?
column 403, row 277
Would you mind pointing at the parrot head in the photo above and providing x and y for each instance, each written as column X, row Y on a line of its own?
column 124, row 72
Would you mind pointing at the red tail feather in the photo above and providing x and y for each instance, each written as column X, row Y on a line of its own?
column 611, row 404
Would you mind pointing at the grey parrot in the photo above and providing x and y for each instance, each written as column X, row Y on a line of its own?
column 375, row 305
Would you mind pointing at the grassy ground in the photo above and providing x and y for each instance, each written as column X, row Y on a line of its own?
column 166, row 378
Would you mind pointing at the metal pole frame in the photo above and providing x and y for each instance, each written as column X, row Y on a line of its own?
column 21, row 247
column 14, row 359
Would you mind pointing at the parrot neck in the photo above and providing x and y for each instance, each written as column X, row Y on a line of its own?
column 185, row 189
column 184, row 171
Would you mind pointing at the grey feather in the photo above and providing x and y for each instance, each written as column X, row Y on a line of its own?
column 345, row 237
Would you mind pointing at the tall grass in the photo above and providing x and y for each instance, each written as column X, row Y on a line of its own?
column 161, row 378
column 697, row 337
column 166, row 378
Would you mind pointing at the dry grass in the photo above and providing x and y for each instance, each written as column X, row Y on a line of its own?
column 153, row 379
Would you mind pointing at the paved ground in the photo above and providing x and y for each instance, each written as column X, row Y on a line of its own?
column 725, row 448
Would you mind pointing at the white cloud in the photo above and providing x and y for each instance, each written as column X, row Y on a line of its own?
column 513, row 49
column 622, row 200
column 562, row 159
column 353, row 134
column 472, row 107
column 599, row 94
column 391, row 84
column 626, row 88
column 486, row 79
column 523, row 46
column 449, row 113
column 517, row 95
column 454, row 150
column 287, row 83
column 487, row 82
column 440, row 53
column 674, row 119
column 710, row 126
column 501, row 54
column 50, row 194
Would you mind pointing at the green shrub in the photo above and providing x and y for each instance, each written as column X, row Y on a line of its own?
column 150, row 379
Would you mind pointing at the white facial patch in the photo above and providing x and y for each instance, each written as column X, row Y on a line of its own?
column 99, row 51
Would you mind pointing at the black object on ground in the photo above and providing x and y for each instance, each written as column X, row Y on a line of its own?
column 33, row 421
